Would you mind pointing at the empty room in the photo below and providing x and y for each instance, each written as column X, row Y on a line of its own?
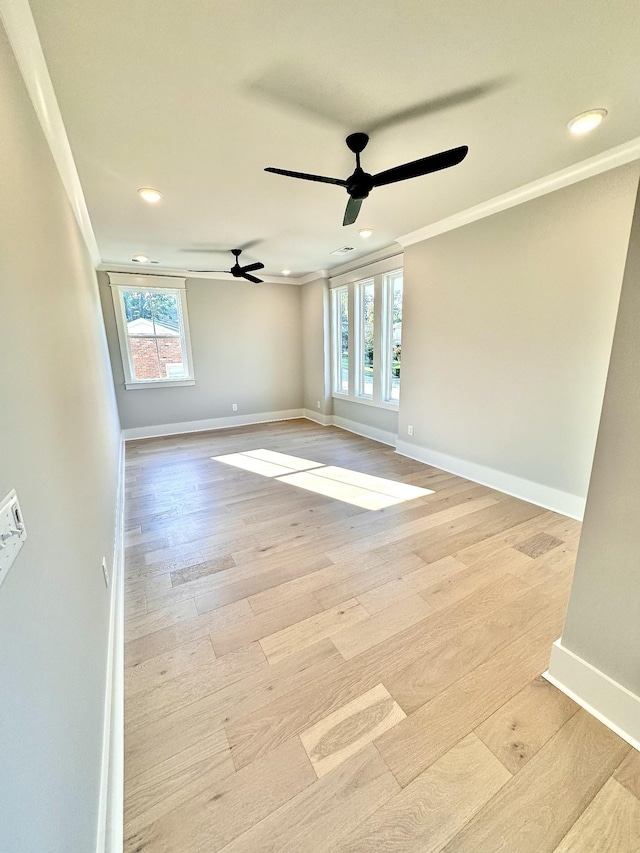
column 319, row 458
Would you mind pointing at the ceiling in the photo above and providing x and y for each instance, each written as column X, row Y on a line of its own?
column 196, row 98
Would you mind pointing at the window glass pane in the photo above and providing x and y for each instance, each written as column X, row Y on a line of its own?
column 395, row 337
column 366, row 364
column 155, row 334
column 343, row 341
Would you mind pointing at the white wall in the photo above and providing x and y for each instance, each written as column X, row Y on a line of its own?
column 247, row 349
column 507, row 331
column 603, row 617
column 59, row 444
column 315, row 324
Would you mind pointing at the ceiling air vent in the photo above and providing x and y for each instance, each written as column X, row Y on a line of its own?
column 343, row 251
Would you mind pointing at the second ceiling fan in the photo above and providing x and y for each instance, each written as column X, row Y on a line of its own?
column 238, row 271
column 360, row 183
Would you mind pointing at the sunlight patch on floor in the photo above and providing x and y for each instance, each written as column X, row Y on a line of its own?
column 342, row 484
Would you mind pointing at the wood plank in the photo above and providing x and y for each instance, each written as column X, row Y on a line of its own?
column 611, row 822
column 319, row 816
column 289, row 640
column 160, row 699
column 385, row 624
column 533, row 811
column 628, row 774
column 406, row 584
column 313, row 581
column 350, row 729
column 164, row 786
column 201, row 570
column 357, row 583
column 434, row 728
column 425, row 815
column 538, row 544
column 256, row 627
column 214, row 813
column 148, row 623
column 164, row 667
column 521, row 727
column 167, row 639
column 175, row 731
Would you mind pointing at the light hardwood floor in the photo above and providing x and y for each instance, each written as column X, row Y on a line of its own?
column 306, row 675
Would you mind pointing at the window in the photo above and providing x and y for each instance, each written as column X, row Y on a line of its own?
column 341, row 338
column 392, row 336
column 366, row 343
column 374, row 335
column 151, row 315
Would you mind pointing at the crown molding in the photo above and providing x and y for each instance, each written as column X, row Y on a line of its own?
column 610, row 159
column 312, row 276
column 23, row 37
column 151, row 270
column 390, row 251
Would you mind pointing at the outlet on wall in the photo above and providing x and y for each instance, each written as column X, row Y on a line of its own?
column 318, row 403
column 105, row 571
column 234, row 407
column 410, row 429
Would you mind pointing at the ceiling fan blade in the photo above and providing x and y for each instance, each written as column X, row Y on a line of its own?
column 252, row 278
column 252, row 267
column 305, row 177
column 226, row 271
column 352, row 211
column 425, row 166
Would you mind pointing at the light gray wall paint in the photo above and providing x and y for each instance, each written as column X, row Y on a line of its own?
column 507, row 331
column 247, row 349
column 59, row 445
column 368, row 416
column 603, row 618
column 316, row 346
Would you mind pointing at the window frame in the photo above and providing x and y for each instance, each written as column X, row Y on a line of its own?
column 120, row 282
column 382, row 275
column 336, row 337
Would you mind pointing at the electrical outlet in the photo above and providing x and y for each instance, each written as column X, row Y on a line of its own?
column 410, row 429
column 105, row 571
column 234, row 407
column 318, row 403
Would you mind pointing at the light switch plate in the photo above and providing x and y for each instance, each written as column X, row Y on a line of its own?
column 12, row 532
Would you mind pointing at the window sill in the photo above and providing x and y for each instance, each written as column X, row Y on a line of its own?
column 171, row 383
column 366, row 401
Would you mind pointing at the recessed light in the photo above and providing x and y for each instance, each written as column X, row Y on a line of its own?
column 286, row 272
column 365, row 233
column 585, row 122
column 140, row 259
column 149, row 194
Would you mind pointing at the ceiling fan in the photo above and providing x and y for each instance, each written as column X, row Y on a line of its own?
column 360, row 183
column 240, row 272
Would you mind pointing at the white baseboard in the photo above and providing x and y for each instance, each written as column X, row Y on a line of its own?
column 209, row 424
column 374, row 433
column 317, row 417
column 111, row 805
column 611, row 703
column 518, row 487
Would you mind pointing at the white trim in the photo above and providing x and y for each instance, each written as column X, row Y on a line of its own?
column 210, row 424
column 148, row 282
column 519, row 487
column 157, row 383
column 392, row 263
column 381, row 435
column 603, row 162
column 313, row 276
column 390, row 251
column 23, row 36
column 366, row 401
column 157, row 270
column 611, row 703
column 111, row 804
column 317, row 417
